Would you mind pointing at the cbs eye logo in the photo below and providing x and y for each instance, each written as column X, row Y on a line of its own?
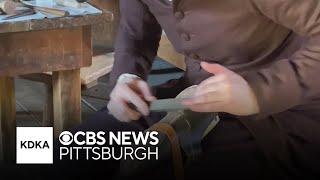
column 66, row 138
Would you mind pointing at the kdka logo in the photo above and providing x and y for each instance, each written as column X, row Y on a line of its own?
column 34, row 145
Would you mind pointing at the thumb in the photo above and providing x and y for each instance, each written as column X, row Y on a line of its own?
column 145, row 90
column 213, row 68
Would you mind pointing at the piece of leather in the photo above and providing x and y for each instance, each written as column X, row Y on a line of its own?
column 190, row 126
column 167, row 105
column 178, row 129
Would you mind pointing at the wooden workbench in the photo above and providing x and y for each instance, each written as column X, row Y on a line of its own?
column 58, row 45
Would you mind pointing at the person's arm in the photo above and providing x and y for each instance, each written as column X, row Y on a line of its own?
column 137, row 40
column 136, row 46
column 293, row 81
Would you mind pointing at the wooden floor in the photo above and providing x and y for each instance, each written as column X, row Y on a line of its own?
column 30, row 95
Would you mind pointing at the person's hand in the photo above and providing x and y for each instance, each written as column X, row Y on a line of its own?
column 128, row 100
column 226, row 91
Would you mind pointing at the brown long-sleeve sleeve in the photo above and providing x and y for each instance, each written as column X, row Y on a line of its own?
column 137, row 40
column 294, row 81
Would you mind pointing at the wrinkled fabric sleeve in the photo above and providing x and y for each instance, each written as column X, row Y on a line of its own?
column 294, row 81
column 137, row 40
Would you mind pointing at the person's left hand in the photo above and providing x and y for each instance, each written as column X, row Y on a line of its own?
column 225, row 91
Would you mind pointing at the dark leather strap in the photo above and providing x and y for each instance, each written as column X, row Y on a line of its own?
column 168, row 130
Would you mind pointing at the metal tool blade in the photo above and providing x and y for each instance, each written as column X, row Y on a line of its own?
column 167, row 105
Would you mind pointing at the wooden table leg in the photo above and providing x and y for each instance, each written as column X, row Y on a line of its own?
column 47, row 117
column 66, row 99
column 7, row 119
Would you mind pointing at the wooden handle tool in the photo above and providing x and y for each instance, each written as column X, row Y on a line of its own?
column 47, row 10
column 68, row 3
column 56, row 12
column 8, row 7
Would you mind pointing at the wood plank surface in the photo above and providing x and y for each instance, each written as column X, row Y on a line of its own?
column 7, row 119
column 44, row 51
column 55, row 23
column 101, row 65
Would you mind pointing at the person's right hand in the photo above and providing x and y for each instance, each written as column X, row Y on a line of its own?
column 128, row 100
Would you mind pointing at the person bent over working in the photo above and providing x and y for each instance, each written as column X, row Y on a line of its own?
column 256, row 64
column 254, row 61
